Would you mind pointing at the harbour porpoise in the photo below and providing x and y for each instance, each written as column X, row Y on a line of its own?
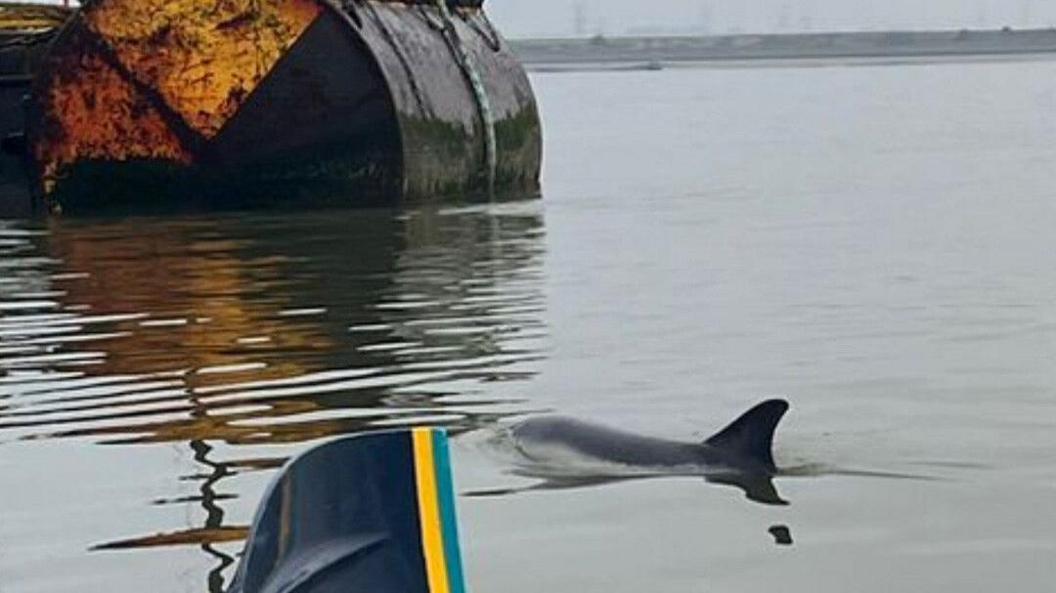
column 567, row 452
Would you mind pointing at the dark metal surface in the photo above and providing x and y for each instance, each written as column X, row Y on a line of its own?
column 350, row 102
column 24, row 32
column 315, row 118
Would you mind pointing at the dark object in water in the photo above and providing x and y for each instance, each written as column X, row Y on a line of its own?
column 141, row 103
column 25, row 30
column 371, row 513
column 782, row 535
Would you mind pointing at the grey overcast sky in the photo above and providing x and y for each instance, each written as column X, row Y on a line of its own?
column 524, row 18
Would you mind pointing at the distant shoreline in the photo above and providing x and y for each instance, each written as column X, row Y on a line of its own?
column 656, row 52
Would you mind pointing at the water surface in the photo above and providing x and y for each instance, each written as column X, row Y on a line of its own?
column 871, row 242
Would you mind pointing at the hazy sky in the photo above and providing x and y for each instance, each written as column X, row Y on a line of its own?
column 519, row 18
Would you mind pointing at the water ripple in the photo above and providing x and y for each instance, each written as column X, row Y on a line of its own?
column 261, row 332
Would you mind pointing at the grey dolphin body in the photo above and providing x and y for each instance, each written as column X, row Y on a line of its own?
column 738, row 455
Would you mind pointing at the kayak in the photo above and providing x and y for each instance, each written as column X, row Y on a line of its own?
column 368, row 513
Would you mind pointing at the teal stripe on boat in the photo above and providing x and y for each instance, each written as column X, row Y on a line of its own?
column 449, row 521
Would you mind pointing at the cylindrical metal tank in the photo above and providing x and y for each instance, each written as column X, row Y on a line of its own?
column 168, row 103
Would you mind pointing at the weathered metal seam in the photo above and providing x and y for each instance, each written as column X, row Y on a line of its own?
column 423, row 107
column 476, row 85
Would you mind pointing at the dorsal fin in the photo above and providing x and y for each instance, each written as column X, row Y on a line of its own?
column 753, row 433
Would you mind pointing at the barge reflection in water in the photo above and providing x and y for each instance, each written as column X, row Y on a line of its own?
column 241, row 338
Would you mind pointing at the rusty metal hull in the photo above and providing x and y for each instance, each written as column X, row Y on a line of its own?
column 278, row 101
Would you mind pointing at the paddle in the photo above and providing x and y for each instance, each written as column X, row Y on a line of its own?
column 372, row 513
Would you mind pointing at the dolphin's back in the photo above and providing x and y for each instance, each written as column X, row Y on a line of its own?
column 745, row 444
column 537, row 436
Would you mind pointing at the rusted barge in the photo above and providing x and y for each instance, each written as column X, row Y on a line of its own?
column 165, row 103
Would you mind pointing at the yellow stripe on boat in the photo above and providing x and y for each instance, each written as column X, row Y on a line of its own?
column 429, row 511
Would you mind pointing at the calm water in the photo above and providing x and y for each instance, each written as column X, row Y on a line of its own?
column 872, row 242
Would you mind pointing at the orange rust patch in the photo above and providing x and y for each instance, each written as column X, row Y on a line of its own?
column 203, row 57
column 91, row 112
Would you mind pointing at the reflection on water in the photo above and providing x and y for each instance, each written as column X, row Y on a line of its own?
column 757, row 488
column 214, row 530
column 782, row 535
column 263, row 329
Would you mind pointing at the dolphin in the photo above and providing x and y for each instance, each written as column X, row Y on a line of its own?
column 567, row 453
